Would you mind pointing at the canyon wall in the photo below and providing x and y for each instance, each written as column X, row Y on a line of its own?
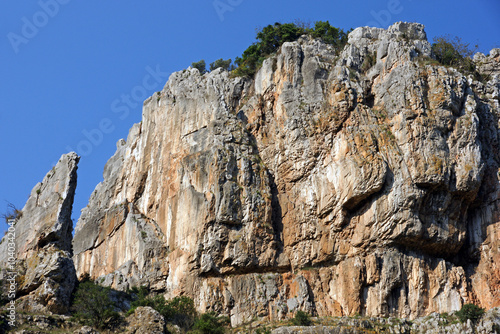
column 362, row 180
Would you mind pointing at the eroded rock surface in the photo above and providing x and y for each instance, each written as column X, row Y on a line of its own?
column 488, row 65
column 432, row 324
column 45, row 271
column 365, row 182
column 145, row 320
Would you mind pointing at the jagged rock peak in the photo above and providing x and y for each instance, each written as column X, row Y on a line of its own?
column 43, row 237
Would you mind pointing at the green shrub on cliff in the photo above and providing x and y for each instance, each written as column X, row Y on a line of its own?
column 221, row 63
column 470, row 312
column 329, row 34
column 271, row 37
column 200, row 66
column 93, row 306
column 210, row 323
column 452, row 51
column 301, row 319
column 179, row 310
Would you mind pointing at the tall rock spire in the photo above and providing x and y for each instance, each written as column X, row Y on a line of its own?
column 43, row 249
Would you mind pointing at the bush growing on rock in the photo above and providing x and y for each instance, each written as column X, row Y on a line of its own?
column 93, row 306
column 470, row 311
column 270, row 38
column 452, row 51
column 301, row 319
column 210, row 323
column 200, row 66
column 224, row 64
column 179, row 310
column 329, row 34
column 137, row 293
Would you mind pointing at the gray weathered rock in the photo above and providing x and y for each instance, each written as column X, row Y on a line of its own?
column 438, row 324
column 86, row 330
column 432, row 324
column 45, row 269
column 489, row 65
column 145, row 320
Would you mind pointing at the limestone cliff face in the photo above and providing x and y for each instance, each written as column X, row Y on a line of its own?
column 45, row 271
column 361, row 183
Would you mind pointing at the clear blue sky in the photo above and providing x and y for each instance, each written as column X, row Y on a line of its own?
column 67, row 66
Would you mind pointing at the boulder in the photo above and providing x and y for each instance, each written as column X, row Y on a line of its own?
column 145, row 320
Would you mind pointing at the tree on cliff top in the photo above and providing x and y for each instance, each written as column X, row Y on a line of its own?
column 329, row 34
column 271, row 37
column 200, row 66
column 224, row 64
column 452, row 51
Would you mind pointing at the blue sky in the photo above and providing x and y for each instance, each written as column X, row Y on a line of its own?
column 73, row 74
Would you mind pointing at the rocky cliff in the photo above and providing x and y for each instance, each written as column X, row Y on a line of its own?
column 361, row 182
column 44, row 269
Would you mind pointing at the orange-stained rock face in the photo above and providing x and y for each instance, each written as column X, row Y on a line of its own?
column 321, row 184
